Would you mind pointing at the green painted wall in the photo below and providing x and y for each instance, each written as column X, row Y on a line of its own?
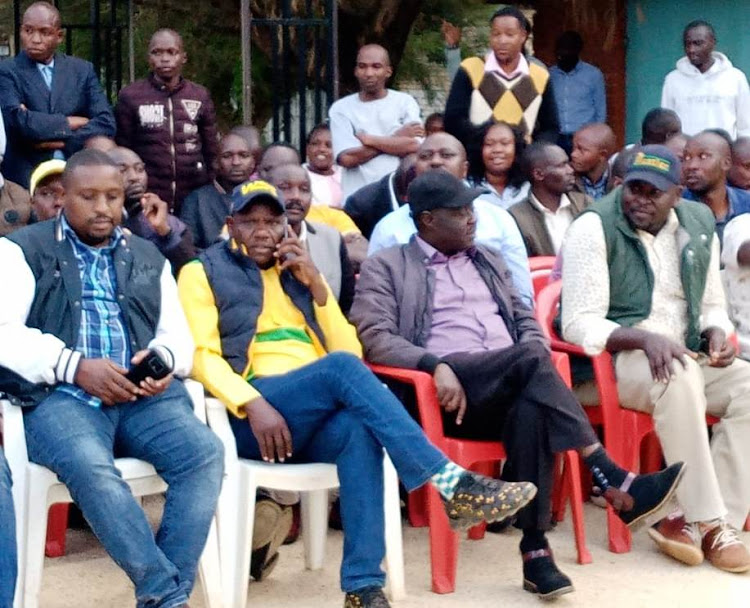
column 654, row 44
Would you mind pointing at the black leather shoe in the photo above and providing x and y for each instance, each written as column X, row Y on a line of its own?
column 369, row 597
column 649, row 493
column 542, row 576
column 478, row 498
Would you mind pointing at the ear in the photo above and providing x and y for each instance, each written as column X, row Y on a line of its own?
column 726, row 163
column 389, row 71
column 537, row 174
column 465, row 171
column 184, row 58
column 230, row 226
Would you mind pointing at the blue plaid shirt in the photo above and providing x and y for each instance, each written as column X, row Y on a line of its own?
column 103, row 333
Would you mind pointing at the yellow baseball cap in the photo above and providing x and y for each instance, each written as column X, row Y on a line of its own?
column 44, row 170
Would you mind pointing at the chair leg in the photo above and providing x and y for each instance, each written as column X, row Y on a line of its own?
column 210, row 570
column 619, row 534
column 36, row 529
column 560, row 489
column 57, row 527
column 315, row 527
column 394, row 545
column 417, row 506
column 236, row 522
column 443, row 546
column 571, row 479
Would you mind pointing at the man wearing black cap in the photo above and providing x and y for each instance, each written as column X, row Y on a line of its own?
column 274, row 347
column 444, row 305
column 641, row 280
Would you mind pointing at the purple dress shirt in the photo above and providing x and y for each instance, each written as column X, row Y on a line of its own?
column 465, row 317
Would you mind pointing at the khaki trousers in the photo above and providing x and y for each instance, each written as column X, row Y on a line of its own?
column 717, row 476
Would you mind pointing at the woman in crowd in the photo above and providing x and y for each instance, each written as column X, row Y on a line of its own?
column 325, row 176
column 501, row 174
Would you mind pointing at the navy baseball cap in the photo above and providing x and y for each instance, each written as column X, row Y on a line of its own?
column 438, row 189
column 655, row 165
column 256, row 191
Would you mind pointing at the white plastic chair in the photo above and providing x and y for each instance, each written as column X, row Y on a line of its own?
column 236, row 511
column 36, row 488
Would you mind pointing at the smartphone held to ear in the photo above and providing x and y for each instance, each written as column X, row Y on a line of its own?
column 151, row 366
column 288, row 256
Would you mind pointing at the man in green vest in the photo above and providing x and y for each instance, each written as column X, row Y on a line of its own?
column 641, row 280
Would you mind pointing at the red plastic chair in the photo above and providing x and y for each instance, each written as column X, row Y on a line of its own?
column 542, row 262
column 626, row 432
column 473, row 455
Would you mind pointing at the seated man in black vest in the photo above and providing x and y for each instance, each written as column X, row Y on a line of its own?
column 274, row 347
column 444, row 305
column 83, row 303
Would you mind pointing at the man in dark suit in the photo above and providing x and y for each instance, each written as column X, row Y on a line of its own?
column 51, row 102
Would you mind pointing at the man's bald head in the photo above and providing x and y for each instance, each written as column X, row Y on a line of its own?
column 377, row 51
column 166, row 32
column 442, row 151
column 706, row 162
column 592, row 147
column 41, row 33
column 739, row 174
column 372, row 71
column 43, row 8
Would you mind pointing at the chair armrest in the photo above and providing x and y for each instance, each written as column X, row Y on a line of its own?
column 218, row 420
column 428, row 405
column 14, row 436
column 561, row 361
column 198, row 397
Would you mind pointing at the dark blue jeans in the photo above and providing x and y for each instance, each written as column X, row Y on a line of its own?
column 79, row 443
column 339, row 412
column 8, row 565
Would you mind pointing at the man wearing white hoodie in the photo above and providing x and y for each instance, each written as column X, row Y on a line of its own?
column 705, row 90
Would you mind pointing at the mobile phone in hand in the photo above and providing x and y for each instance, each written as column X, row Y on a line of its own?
column 288, row 256
column 151, row 366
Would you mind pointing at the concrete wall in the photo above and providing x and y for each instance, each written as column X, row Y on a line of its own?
column 654, row 44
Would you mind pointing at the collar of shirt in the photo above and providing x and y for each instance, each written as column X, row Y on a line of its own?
column 50, row 65
column 302, row 236
column 218, row 186
column 598, row 185
column 564, row 204
column 669, row 227
column 572, row 72
column 79, row 245
column 437, row 257
column 491, row 65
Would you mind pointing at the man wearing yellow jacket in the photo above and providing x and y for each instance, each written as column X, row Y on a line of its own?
column 274, row 347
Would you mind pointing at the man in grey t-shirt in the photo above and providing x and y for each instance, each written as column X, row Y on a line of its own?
column 374, row 128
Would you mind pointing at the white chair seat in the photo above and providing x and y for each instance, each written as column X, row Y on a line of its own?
column 35, row 488
column 236, row 512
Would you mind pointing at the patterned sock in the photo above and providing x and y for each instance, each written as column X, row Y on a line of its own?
column 606, row 472
column 446, row 479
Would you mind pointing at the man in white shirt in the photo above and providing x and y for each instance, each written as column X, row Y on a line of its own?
column 495, row 226
column 372, row 129
column 544, row 216
column 641, row 280
column 705, row 89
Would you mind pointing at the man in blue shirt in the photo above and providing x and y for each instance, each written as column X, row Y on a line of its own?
column 579, row 89
column 706, row 163
column 496, row 228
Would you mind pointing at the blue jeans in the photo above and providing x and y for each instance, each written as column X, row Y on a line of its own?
column 339, row 412
column 8, row 565
column 79, row 443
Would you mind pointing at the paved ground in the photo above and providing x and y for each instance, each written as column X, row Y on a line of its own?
column 489, row 575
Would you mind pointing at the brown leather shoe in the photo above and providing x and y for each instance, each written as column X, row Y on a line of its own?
column 724, row 549
column 678, row 539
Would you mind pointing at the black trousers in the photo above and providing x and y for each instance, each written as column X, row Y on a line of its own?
column 516, row 395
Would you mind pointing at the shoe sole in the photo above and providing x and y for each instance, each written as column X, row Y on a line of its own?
column 656, row 512
column 551, row 595
column 465, row 522
column 690, row 555
column 735, row 570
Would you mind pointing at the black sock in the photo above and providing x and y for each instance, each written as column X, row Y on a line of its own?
column 606, row 473
column 533, row 540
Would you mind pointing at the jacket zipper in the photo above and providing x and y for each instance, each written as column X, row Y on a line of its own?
column 172, row 152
